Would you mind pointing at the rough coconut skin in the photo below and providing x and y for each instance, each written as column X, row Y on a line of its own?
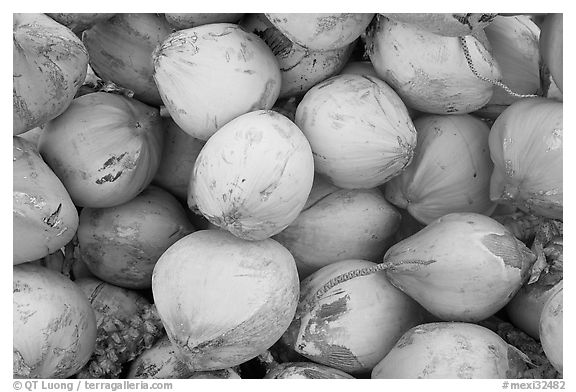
column 44, row 217
column 49, row 63
column 54, row 326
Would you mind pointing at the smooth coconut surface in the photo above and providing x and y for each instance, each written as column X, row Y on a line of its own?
column 211, row 74
column 338, row 224
column 177, row 161
column 253, row 176
column 359, row 130
column 551, row 46
column 450, row 351
column 514, row 45
column 460, row 267
column 526, row 145
column 437, row 183
column 224, row 300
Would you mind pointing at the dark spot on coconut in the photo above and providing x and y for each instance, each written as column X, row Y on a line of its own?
column 451, row 109
column 53, row 219
column 112, row 161
column 19, row 287
column 318, row 155
column 109, row 178
column 332, row 311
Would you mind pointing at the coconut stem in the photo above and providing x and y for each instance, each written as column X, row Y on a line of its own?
column 464, row 45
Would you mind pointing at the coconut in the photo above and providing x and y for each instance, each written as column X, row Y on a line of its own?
column 49, row 63
column 451, row 350
column 430, row 72
column 105, row 148
column 338, row 224
column 211, row 74
column 54, row 331
column 44, row 217
column 304, row 370
column 120, row 50
column 177, row 161
column 359, row 129
column 551, row 46
column 437, row 183
column 326, row 329
column 224, row 300
column 253, row 176
column 447, row 24
column 80, row 22
column 526, row 148
column 321, row 31
column 121, row 244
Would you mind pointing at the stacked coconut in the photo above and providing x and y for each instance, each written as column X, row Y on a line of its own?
column 287, row 195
